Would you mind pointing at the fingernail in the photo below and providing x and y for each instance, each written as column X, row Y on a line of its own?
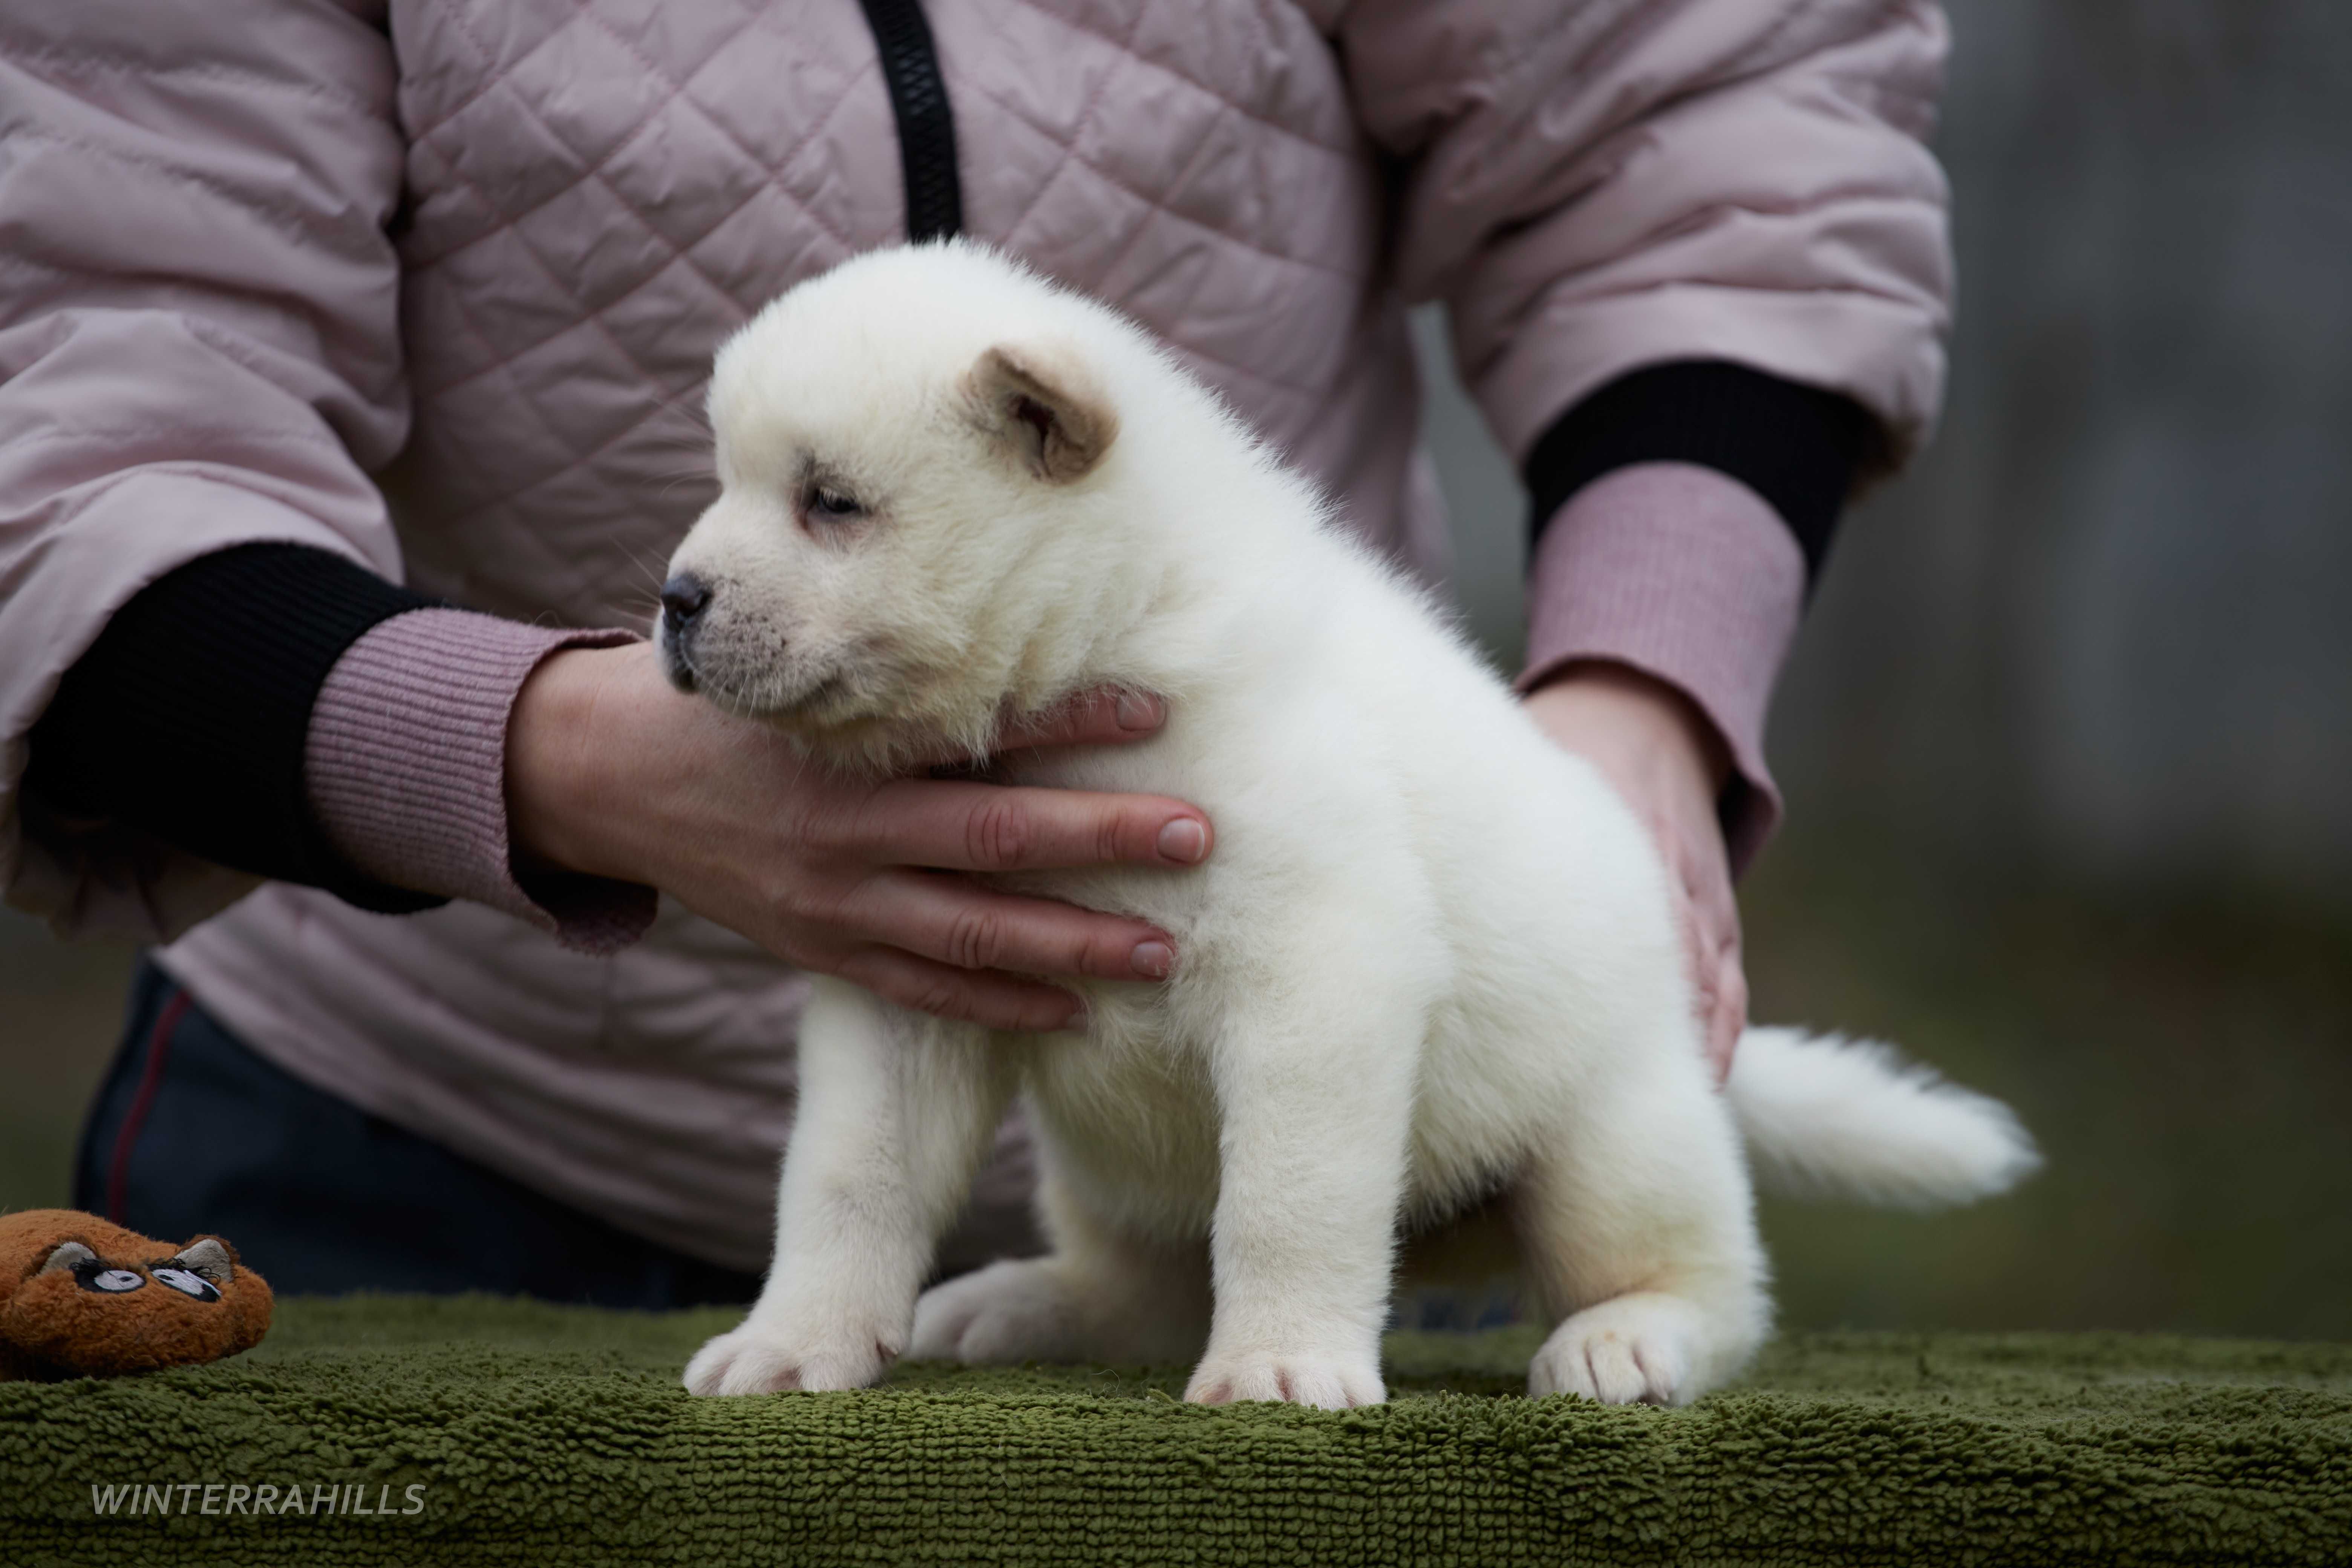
column 1153, row 960
column 1136, row 711
column 1076, row 1017
column 1184, row 840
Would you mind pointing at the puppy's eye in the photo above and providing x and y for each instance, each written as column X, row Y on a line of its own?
column 832, row 505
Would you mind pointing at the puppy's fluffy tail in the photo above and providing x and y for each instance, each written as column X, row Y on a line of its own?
column 1826, row 1117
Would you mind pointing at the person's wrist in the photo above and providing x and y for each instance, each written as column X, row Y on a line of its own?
column 563, row 741
column 1592, row 694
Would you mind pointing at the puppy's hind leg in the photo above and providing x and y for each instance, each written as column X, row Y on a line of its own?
column 1638, row 1236
column 896, row 1112
column 1104, row 1293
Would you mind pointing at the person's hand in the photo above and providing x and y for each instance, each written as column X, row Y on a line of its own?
column 1662, row 756
column 611, row 773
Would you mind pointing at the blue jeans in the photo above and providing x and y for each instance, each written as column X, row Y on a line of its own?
column 193, row 1132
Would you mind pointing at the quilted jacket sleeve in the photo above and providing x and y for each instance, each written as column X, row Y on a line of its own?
column 199, row 348
column 1604, row 185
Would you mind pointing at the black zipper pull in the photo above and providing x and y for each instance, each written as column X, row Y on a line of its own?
column 918, row 102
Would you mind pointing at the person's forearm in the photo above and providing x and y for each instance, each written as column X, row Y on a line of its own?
column 1679, row 515
column 1670, row 722
column 279, row 710
column 1686, row 575
column 592, row 757
column 407, row 767
column 189, row 716
column 1797, row 447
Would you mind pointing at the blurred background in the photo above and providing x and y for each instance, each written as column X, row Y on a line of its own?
column 2067, row 740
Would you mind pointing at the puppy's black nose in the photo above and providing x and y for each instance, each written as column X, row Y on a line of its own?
column 683, row 598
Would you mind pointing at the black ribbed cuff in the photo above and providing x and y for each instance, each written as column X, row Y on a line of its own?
column 1797, row 446
column 187, row 718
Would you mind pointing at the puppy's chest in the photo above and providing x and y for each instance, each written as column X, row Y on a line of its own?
column 1130, row 1109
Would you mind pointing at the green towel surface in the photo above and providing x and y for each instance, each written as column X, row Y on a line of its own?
column 469, row 1430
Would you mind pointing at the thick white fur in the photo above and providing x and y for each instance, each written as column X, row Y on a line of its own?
column 1827, row 1117
column 1431, row 959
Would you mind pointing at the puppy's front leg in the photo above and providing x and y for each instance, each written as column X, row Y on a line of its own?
column 896, row 1113
column 1315, row 1089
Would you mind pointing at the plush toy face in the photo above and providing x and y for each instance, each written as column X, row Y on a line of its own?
column 80, row 1297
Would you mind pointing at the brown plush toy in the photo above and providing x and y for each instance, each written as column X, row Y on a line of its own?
column 81, row 1297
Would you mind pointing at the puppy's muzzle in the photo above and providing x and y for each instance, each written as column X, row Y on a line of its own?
column 682, row 599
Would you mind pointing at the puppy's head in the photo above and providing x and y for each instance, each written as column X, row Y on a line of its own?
column 916, row 454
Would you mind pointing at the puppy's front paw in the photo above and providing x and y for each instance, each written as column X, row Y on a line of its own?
column 1633, row 1349
column 759, row 1358
column 1327, row 1383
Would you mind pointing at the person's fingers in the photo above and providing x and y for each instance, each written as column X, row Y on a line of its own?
column 958, row 825
column 1709, row 922
column 1730, row 1018
column 1690, row 923
column 975, row 996
column 1705, row 974
column 1091, row 719
column 1715, row 915
column 954, row 921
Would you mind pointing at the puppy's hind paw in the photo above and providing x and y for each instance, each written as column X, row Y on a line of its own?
column 1049, row 1310
column 755, row 1358
column 1011, row 1312
column 1632, row 1350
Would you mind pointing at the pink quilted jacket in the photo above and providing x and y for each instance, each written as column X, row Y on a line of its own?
column 435, row 284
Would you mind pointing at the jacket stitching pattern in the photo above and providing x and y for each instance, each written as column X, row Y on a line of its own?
column 1127, row 50
column 679, row 93
column 491, row 78
column 281, row 214
column 1069, row 155
column 503, row 357
column 593, row 172
column 57, row 65
column 592, row 317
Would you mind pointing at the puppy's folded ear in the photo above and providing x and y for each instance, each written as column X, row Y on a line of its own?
column 1044, row 407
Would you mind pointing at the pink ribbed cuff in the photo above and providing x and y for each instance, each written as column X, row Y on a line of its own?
column 1687, row 575
column 406, row 764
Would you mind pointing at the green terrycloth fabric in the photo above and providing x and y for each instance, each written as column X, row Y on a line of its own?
column 540, row 1434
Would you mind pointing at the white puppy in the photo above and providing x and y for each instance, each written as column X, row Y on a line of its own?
column 1432, row 958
